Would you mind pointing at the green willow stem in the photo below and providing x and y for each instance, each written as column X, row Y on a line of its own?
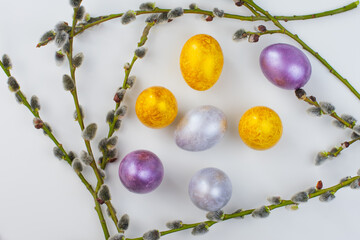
column 305, row 46
column 66, row 156
column 101, row 19
column 333, row 114
column 252, row 10
column 113, row 216
column 80, row 120
column 341, row 148
column 143, row 39
column 283, row 203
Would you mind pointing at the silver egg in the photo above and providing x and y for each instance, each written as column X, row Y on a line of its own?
column 201, row 128
column 210, row 189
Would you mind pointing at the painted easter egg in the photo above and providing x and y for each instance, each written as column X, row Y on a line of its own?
column 141, row 171
column 201, row 128
column 210, row 189
column 285, row 66
column 156, row 107
column 260, row 128
column 201, row 62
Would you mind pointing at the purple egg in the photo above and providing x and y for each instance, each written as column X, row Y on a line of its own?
column 141, row 171
column 285, row 66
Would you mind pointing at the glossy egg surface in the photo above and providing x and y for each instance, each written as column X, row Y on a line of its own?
column 201, row 128
column 156, row 107
column 201, row 62
column 141, row 171
column 260, row 128
column 285, row 66
column 210, row 189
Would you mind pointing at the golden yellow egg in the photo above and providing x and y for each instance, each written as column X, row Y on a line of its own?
column 156, row 107
column 201, row 62
column 260, row 128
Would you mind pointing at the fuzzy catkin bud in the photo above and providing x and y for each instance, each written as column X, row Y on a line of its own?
column 128, row 17
column 18, row 98
column 86, row 158
column 34, row 103
column 174, row 224
column 13, row 84
column 147, row 6
column 89, row 132
column 314, row 111
column 344, row 179
column 261, row 212
column 112, row 153
column 102, row 145
column 152, row 235
column 66, row 47
column 62, row 26
column 102, row 173
column 311, row 190
column 111, row 142
column 300, row 197
column 121, row 112
column 274, row 200
column 131, row 81
column 239, row 35
column 75, row 3
column 355, row 184
column 59, row 58
column 326, row 197
column 200, row 229
column 78, row 60
column 119, row 95
column 326, row 107
column 193, row 6
column 72, row 155
column 162, row 18
column 108, row 211
column 215, row 216
column 207, row 18
column 117, row 236
column 349, row 119
column 117, row 125
column 124, row 222
column 48, row 35
column 77, row 165
column 58, row 153
column 140, row 52
column 80, row 13
column 46, row 125
column 175, row 12
column 6, row 61
column 338, row 124
column 354, row 135
column 152, row 18
column 262, row 28
column 68, row 83
column 110, row 116
column 218, row 13
column 75, row 115
column 104, row 193
column 61, row 38
column 321, row 158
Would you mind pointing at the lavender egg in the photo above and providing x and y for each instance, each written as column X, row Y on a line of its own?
column 201, row 128
column 210, row 189
column 141, row 171
column 285, row 66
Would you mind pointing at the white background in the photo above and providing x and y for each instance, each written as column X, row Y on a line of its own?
column 42, row 198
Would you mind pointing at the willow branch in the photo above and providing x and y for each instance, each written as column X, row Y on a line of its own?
column 97, row 20
column 241, row 214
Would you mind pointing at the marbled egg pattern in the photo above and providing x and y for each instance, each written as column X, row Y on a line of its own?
column 156, row 107
column 210, row 189
column 201, row 128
